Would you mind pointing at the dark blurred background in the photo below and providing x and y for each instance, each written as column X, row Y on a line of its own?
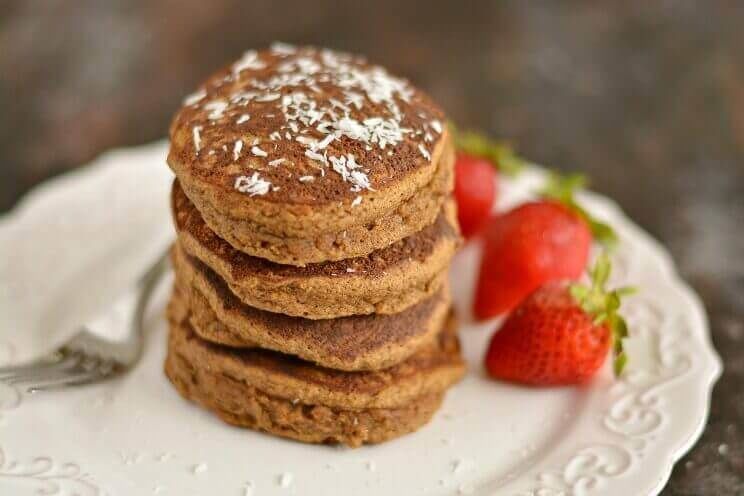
column 646, row 97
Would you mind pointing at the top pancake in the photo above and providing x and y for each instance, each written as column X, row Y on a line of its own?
column 299, row 142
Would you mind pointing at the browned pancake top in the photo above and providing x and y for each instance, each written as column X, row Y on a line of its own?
column 346, row 337
column 444, row 352
column 416, row 247
column 302, row 125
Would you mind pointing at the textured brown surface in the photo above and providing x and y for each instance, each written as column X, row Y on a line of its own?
column 386, row 165
column 242, row 405
column 310, row 238
column 386, row 281
column 419, row 246
column 348, row 343
column 302, row 143
column 282, row 395
column 432, row 369
column 286, row 219
column 647, row 98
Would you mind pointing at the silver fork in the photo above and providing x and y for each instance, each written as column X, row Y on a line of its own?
column 86, row 357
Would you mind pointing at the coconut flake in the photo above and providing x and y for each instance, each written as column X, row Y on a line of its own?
column 248, row 488
column 253, row 185
column 237, row 148
column 196, row 132
column 268, row 97
column 355, row 99
column 195, row 97
column 280, row 48
column 424, row 152
column 243, row 118
column 324, row 142
column 216, row 109
column 258, row 152
column 316, row 156
column 307, row 141
column 350, row 171
column 285, row 479
column 249, row 60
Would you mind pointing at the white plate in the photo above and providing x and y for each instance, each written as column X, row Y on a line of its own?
column 79, row 239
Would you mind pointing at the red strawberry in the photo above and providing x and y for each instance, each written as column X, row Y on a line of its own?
column 560, row 334
column 526, row 247
column 475, row 190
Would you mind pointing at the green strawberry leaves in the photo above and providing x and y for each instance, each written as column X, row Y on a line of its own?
column 499, row 153
column 561, row 188
column 604, row 306
column 594, row 299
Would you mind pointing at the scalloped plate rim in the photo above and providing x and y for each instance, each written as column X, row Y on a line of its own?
column 705, row 378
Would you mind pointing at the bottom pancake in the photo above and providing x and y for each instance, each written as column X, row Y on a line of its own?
column 242, row 405
column 288, row 397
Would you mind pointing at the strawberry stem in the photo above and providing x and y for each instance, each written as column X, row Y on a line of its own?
column 561, row 188
column 604, row 306
column 500, row 154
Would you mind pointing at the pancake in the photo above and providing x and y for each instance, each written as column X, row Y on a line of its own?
column 365, row 342
column 336, row 243
column 285, row 150
column 285, row 396
column 385, row 282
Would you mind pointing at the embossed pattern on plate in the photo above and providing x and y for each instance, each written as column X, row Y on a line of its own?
column 134, row 435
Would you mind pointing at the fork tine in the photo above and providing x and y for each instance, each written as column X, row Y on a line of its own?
column 90, row 376
column 71, row 363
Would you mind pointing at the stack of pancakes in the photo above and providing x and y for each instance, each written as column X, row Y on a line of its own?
column 315, row 229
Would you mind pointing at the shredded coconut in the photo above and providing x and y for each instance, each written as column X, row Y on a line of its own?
column 216, row 109
column 196, row 131
column 295, row 90
column 258, row 152
column 195, row 97
column 279, row 48
column 249, row 60
column 268, row 97
column 253, row 185
column 236, row 149
column 285, row 480
column 424, row 152
column 316, row 156
column 350, row 171
column 248, row 489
